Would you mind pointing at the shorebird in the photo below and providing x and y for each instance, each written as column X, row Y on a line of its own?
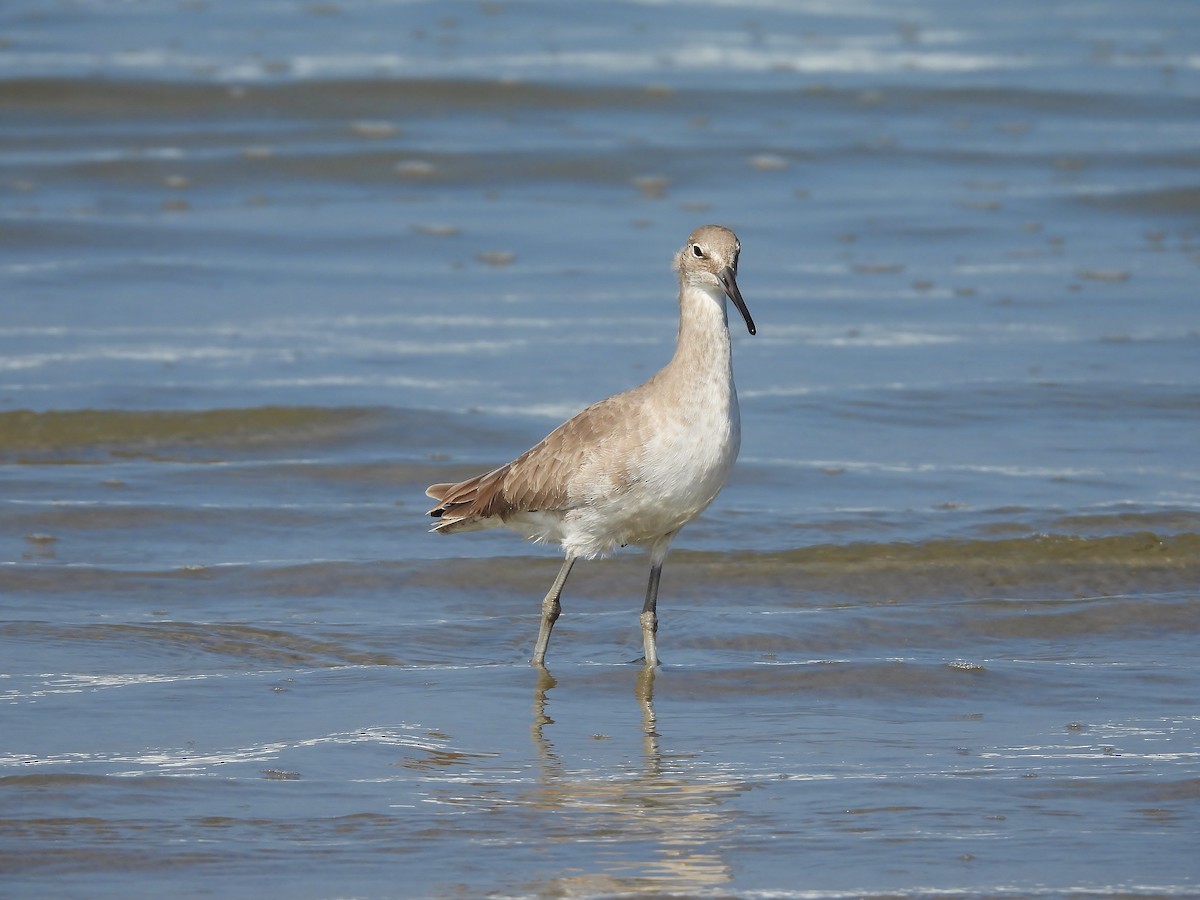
column 637, row 467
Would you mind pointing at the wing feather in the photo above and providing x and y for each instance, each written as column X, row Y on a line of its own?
column 539, row 480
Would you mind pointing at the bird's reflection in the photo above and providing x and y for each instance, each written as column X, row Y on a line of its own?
column 545, row 683
column 661, row 824
column 644, row 691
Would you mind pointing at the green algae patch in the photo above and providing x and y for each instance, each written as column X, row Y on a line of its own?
column 88, row 435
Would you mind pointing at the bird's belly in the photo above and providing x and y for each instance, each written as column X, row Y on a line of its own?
column 669, row 487
column 653, row 505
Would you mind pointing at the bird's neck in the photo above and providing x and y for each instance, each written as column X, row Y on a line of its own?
column 702, row 362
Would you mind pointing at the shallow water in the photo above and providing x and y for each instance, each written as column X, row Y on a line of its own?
column 266, row 271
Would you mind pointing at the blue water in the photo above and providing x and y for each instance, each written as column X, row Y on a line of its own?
column 267, row 270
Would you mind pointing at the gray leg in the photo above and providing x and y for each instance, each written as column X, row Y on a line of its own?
column 650, row 616
column 550, row 610
column 658, row 555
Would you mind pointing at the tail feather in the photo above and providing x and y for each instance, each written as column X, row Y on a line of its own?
column 466, row 505
column 439, row 491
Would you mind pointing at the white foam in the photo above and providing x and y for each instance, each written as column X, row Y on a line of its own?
column 699, row 51
column 1008, row 471
column 188, row 760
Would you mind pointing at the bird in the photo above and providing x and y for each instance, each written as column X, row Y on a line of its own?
column 632, row 469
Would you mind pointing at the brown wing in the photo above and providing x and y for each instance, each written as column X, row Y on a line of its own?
column 540, row 478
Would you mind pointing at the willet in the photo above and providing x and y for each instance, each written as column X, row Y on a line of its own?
column 637, row 467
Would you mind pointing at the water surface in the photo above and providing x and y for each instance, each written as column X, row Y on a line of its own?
column 268, row 270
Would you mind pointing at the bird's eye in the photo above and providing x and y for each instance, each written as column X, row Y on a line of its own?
column 697, row 252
